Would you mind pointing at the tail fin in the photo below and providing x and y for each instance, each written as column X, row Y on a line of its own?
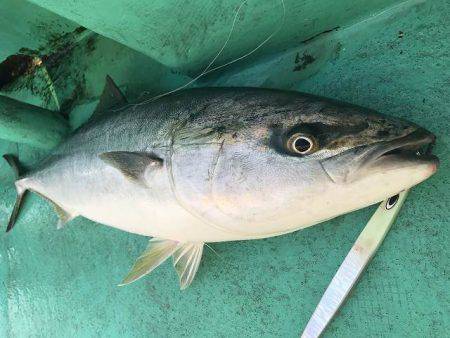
column 21, row 192
column 15, row 212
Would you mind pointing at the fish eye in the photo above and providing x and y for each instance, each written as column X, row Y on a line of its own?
column 302, row 144
column 391, row 202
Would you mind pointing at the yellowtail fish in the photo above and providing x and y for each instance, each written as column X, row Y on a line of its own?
column 225, row 164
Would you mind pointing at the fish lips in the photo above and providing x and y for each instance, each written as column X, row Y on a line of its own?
column 412, row 149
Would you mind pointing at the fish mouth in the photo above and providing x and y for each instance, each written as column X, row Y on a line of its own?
column 414, row 149
column 417, row 146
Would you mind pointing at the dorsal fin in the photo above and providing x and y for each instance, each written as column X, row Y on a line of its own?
column 132, row 165
column 111, row 97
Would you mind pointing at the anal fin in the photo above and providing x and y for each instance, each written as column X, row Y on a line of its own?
column 63, row 216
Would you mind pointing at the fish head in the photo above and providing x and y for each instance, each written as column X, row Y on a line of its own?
column 356, row 146
column 389, row 155
column 292, row 162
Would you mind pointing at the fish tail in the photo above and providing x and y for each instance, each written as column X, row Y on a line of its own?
column 16, row 210
column 21, row 191
column 14, row 164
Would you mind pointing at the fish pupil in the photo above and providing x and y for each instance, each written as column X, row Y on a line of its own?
column 302, row 144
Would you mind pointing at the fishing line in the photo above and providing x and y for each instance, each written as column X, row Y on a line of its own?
column 211, row 248
column 208, row 68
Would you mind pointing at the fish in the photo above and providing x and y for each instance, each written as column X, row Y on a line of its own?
column 210, row 165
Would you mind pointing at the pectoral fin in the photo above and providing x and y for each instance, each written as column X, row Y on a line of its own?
column 132, row 164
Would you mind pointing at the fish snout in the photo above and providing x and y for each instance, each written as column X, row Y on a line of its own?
column 413, row 151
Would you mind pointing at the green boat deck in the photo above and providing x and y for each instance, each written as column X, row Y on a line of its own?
column 389, row 55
